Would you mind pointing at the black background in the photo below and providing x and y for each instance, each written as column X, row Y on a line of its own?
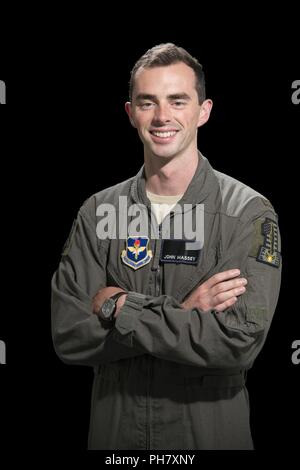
column 65, row 136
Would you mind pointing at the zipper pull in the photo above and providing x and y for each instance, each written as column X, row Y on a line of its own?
column 159, row 230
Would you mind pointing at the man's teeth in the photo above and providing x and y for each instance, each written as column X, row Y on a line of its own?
column 164, row 134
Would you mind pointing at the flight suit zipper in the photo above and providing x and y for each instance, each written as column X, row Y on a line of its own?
column 148, row 418
column 157, row 285
column 158, row 270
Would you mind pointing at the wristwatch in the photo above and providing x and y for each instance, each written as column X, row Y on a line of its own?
column 109, row 306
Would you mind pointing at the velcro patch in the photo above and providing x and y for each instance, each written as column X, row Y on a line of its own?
column 180, row 252
column 268, row 251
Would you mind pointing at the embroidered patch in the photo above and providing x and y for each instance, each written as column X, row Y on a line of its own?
column 268, row 252
column 136, row 254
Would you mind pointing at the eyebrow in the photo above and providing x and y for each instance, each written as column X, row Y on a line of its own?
column 175, row 96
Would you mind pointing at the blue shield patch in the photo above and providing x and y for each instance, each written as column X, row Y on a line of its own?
column 136, row 254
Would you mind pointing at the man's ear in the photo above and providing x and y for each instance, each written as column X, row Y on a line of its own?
column 205, row 110
column 128, row 110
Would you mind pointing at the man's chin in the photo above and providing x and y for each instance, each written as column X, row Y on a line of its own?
column 163, row 157
column 163, row 153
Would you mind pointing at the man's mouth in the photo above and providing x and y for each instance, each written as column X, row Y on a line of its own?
column 163, row 136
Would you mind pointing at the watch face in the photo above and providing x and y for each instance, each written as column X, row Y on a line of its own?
column 108, row 308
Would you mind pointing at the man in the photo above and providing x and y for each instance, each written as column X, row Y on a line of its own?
column 170, row 323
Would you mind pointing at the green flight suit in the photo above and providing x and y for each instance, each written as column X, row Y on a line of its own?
column 166, row 378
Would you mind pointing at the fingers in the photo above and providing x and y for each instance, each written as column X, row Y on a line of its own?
column 228, row 303
column 226, row 286
column 218, row 292
column 221, row 277
column 227, row 295
column 220, row 298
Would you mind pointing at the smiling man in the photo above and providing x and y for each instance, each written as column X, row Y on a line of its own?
column 170, row 324
column 167, row 118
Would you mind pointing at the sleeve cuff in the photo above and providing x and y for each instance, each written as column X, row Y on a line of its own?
column 127, row 318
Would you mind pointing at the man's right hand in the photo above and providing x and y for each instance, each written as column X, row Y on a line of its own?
column 218, row 292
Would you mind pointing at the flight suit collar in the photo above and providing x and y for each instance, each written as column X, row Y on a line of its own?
column 202, row 185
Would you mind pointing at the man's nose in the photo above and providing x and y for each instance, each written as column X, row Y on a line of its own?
column 162, row 114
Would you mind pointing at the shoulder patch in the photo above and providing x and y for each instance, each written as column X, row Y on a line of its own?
column 69, row 241
column 265, row 247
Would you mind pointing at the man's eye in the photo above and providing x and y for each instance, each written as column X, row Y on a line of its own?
column 179, row 104
column 146, row 105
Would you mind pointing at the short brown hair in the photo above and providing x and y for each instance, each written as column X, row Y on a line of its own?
column 168, row 54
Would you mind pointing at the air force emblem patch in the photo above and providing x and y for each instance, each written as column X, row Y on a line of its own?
column 268, row 252
column 136, row 254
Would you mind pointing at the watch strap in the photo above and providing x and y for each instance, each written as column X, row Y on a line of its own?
column 116, row 296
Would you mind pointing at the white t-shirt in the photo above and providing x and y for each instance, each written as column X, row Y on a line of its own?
column 162, row 205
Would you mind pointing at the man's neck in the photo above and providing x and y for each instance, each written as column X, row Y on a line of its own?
column 170, row 177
